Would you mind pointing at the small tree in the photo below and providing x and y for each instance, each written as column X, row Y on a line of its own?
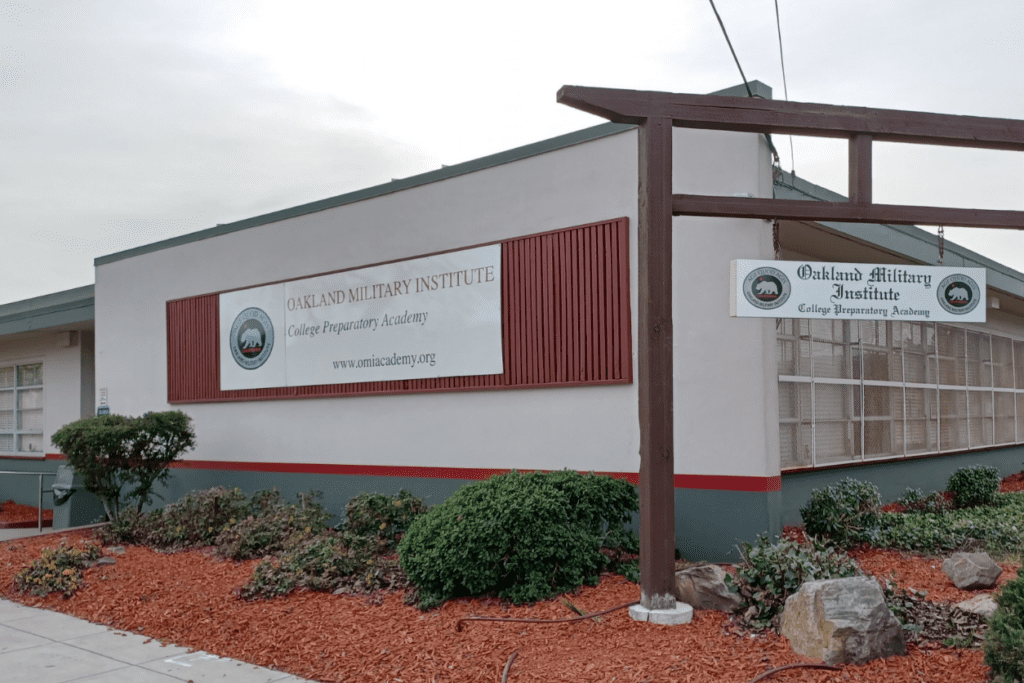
column 112, row 452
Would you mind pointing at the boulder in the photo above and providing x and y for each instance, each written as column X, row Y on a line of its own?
column 841, row 621
column 983, row 605
column 704, row 587
column 970, row 571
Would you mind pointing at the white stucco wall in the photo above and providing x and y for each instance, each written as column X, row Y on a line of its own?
column 722, row 364
column 62, row 359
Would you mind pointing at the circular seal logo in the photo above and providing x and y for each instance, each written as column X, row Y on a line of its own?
column 766, row 288
column 252, row 338
column 958, row 294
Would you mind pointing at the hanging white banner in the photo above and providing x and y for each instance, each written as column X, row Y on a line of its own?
column 856, row 291
column 437, row 316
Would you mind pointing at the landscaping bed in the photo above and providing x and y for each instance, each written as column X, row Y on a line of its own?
column 270, row 582
column 189, row 599
column 17, row 516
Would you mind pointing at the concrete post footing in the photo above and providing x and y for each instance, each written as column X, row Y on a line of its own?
column 680, row 614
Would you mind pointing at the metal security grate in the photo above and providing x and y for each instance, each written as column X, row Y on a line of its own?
column 853, row 391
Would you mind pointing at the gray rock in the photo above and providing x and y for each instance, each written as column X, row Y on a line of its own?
column 842, row 621
column 983, row 605
column 970, row 571
column 704, row 587
column 114, row 550
column 106, row 560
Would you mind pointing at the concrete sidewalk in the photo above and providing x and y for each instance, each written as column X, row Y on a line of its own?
column 39, row 646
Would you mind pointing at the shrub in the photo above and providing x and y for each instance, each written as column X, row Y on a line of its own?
column 914, row 500
column 996, row 528
column 194, row 521
column 1004, row 644
column 973, row 486
column 272, row 526
column 324, row 563
column 112, row 452
column 845, row 512
column 770, row 572
column 382, row 517
column 523, row 537
column 58, row 570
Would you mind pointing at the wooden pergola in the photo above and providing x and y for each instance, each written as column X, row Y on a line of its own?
column 656, row 113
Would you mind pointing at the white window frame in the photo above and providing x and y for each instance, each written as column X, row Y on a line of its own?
column 15, row 432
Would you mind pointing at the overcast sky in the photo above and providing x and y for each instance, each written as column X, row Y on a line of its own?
column 127, row 122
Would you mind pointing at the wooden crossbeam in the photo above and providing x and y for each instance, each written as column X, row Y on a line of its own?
column 844, row 212
column 755, row 115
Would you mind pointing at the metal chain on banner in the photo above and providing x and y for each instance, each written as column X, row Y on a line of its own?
column 942, row 244
column 778, row 257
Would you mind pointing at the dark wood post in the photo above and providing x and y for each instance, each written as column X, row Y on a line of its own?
column 860, row 169
column 657, row 488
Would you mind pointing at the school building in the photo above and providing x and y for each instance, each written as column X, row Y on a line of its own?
column 438, row 329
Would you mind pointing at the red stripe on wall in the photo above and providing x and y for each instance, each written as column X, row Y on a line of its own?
column 565, row 312
column 711, row 482
column 682, row 481
column 724, row 482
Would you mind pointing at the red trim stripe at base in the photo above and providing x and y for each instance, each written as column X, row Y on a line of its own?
column 682, row 481
column 706, row 482
column 415, row 472
column 727, row 482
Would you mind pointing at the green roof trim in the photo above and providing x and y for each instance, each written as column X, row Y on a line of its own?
column 444, row 173
column 50, row 310
column 905, row 240
column 534, row 149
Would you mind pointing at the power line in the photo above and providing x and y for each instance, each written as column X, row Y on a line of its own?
column 725, row 33
column 785, row 87
column 729, row 42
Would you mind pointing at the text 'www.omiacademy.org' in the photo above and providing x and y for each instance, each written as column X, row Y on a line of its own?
column 411, row 360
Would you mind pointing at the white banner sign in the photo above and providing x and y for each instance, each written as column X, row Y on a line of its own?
column 856, row 291
column 438, row 316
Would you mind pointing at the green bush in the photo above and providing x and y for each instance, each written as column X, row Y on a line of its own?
column 58, row 570
column 770, row 572
column 193, row 521
column 112, row 452
column 914, row 500
column 273, row 526
column 996, row 528
column 973, row 486
column 521, row 536
column 845, row 513
column 1004, row 643
column 382, row 517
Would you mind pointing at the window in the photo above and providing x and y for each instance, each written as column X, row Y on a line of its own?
column 853, row 391
column 21, row 408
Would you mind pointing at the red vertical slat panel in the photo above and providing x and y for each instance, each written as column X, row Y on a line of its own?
column 602, row 302
column 506, row 312
column 565, row 321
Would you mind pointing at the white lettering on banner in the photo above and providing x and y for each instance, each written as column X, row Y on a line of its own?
column 437, row 316
column 856, row 291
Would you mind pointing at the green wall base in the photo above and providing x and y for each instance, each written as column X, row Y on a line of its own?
column 893, row 477
column 709, row 524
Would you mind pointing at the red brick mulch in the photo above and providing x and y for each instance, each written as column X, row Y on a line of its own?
column 14, row 515
column 188, row 599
